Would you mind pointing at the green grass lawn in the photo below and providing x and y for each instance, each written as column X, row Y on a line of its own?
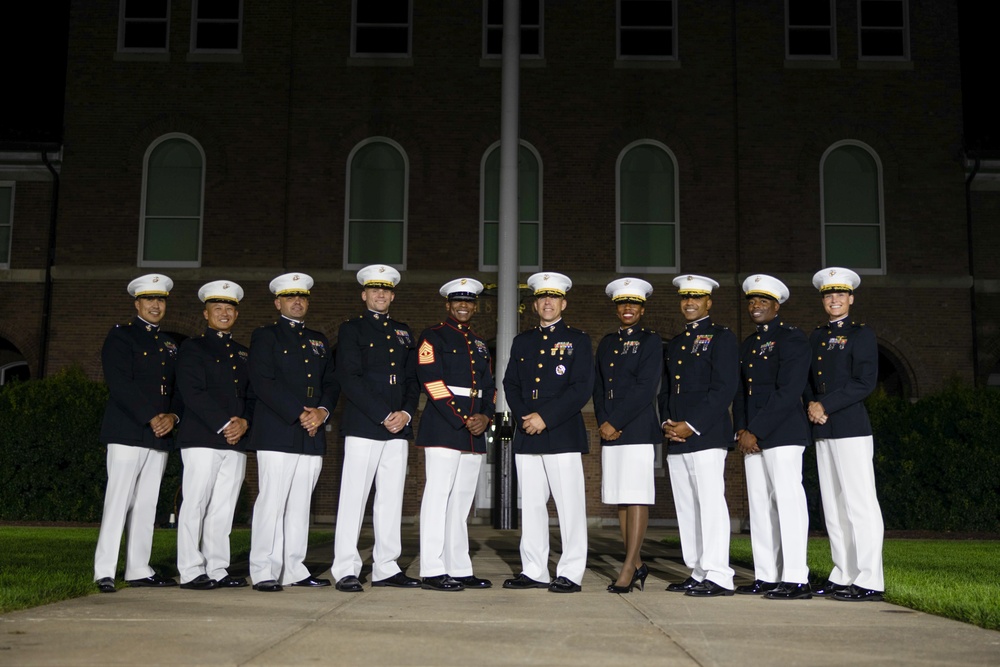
column 957, row 579
column 43, row 565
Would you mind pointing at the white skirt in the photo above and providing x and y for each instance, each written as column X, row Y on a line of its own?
column 627, row 475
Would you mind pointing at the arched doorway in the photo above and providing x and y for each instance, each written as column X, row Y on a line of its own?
column 893, row 377
column 12, row 363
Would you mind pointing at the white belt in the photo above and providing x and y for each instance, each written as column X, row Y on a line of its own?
column 465, row 391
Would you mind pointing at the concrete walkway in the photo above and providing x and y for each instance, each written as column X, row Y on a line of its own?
column 488, row 627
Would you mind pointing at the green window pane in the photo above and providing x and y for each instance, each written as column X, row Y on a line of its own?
column 491, row 244
column 171, row 239
column 173, row 180
column 647, row 185
column 527, row 244
column 378, row 183
column 850, row 187
column 651, row 246
column 375, row 241
column 4, row 244
column 856, row 246
column 527, row 185
column 6, row 194
column 528, row 207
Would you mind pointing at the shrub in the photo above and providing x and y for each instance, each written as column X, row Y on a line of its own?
column 54, row 465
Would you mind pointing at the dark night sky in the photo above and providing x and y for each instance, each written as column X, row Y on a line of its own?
column 33, row 49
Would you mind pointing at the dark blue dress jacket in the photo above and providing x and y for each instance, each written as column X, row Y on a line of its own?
column 844, row 372
column 702, row 376
column 628, row 370
column 551, row 372
column 213, row 377
column 139, row 363
column 291, row 368
column 377, row 369
column 452, row 355
column 774, row 368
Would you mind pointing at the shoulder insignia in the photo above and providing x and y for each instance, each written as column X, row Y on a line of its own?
column 426, row 354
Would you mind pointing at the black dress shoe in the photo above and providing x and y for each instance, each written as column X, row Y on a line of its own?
column 269, row 586
column 758, row 587
column 684, row 586
column 859, row 594
column 312, row 582
column 472, row 581
column 708, row 589
column 349, row 584
column 522, row 581
column 441, row 583
column 788, row 591
column 829, row 589
column 398, row 580
column 106, row 585
column 563, row 585
column 230, row 581
column 201, row 583
column 155, row 581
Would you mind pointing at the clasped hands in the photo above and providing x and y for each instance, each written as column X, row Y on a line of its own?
column 311, row 419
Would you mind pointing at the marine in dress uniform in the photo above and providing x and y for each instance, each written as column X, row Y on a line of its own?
column 453, row 367
column 549, row 378
column 377, row 368
column 291, row 372
column 843, row 373
column 702, row 375
column 142, row 409
column 628, row 369
column 772, row 433
column 213, row 378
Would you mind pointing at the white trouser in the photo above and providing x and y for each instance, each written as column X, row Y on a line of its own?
column 537, row 474
column 365, row 461
column 444, row 511
column 699, row 486
column 212, row 482
column 279, row 533
column 134, row 475
column 853, row 516
column 779, row 517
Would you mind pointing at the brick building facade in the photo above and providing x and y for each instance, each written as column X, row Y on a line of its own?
column 273, row 123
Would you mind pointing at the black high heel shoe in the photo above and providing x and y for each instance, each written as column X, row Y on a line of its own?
column 613, row 588
column 639, row 576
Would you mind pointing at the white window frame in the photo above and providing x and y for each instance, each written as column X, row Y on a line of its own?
column 121, row 31
column 540, row 26
column 482, row 211
column 142, row 207
column 618, row 34
column 619, row 267
column 406, row 202
column 10, row 222
column 354, row 32
column 833, row 35
column 881, row 205
column 195, row 22
column 905, row 29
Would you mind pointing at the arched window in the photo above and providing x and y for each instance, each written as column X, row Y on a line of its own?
column 647, row 220
column 852, row 205
column 377, row 191
column 529, row 185
column 173, row 186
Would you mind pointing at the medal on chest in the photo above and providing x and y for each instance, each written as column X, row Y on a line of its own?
column 701, row 343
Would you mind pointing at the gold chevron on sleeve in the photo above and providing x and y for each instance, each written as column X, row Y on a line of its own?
column 437, row 390
column 426, row 353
